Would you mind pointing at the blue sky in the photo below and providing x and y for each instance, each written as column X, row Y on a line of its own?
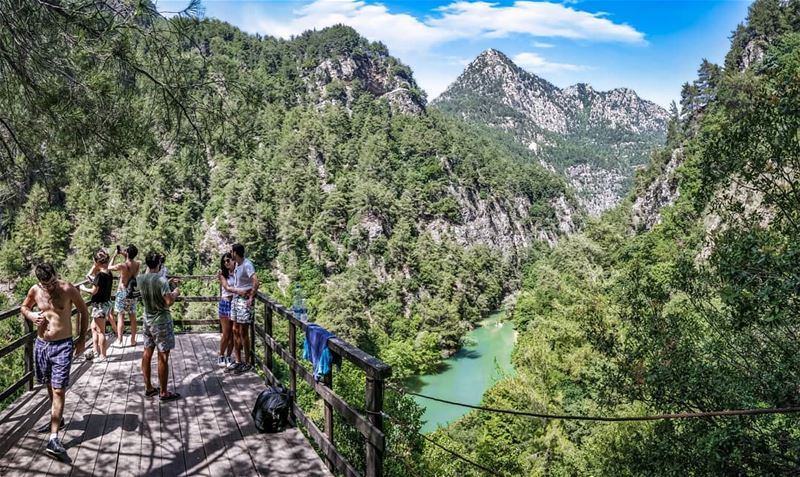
column 650, row 46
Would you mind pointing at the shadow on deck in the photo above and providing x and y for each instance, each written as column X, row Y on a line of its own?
column 113, row 429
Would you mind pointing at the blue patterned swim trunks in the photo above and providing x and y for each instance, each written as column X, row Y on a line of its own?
column 53, row 360
column 224, row 308
column 160, row 336
column 123, row 303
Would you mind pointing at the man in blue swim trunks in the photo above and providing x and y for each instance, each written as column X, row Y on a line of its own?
column 127, row 292
column 54, row 349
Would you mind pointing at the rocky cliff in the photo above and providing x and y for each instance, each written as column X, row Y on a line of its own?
column 341, row 77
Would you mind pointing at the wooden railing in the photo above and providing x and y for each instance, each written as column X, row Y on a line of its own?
column 376, row 372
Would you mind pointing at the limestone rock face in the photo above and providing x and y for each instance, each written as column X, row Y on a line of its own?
column 753, row 52
column 595, row 138
column 601, row 188
column 662, row 192
column 341, row 78
column 500, row 224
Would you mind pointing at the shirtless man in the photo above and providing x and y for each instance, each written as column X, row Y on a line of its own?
column 128, row 270
column 53, row 351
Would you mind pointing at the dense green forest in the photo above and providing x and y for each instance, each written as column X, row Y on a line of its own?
column 698, row 313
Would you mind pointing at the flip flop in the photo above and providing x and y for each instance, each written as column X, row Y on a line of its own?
column 170, row 397
column 152, row 392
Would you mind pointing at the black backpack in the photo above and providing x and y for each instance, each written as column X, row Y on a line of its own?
column 132, row 290
column 271, row 412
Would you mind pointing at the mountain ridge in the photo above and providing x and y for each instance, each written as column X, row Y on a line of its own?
column 596, row 139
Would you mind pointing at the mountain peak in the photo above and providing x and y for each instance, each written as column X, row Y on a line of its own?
column 489, row 60
column 579, row 89
column 494, row 55
column 596, row 138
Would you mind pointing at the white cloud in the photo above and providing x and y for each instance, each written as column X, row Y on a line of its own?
column 457, row 60
column 404, row 33
column 537, row 64
column 399, row 31
column 539, row 44
column 542, row 19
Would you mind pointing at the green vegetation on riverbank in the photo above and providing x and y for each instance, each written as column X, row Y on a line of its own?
column 698, row 313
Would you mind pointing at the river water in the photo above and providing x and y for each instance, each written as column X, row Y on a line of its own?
column 466, row 375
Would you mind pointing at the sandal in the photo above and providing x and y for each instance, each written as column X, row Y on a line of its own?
column 170, row 397
column 152, row 392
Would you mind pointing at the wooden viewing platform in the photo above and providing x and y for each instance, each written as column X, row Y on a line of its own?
column 111, row 428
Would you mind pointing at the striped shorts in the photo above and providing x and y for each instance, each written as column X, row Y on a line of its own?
column 53, row 359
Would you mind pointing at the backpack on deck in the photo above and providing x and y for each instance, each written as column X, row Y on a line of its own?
column 271, row 412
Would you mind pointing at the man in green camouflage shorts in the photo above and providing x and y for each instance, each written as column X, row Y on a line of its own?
column 158, row 333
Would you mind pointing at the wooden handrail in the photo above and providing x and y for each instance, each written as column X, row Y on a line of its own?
column 376, row 371
column 370, row 364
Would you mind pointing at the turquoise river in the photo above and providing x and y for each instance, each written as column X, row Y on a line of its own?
column 466, row 375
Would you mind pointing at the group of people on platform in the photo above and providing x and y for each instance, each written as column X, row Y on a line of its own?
column 54, row 300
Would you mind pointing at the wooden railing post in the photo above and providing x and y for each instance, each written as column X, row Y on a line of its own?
column 29, row 352
column 219, row 327
column 327, row 380
column 268, row 332
column 293, row 353
column 375, row 414
column 252, row 335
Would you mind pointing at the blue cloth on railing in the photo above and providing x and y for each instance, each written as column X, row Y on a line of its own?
column 315, row 349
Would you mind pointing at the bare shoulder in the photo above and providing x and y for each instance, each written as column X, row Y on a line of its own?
column 34, row 291
column 120, row 267
column 70, row 290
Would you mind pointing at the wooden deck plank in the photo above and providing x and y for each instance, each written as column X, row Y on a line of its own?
column 130, row 443
column 172, row 448
column 108, row 451
column 18, row 416
column 76, row 405
column 150, row 461
column 287, row 453
column 16, row 421
column 191, row 431
column 240, row 461
column 172, row 434
column 217, row 461
column 100, row 397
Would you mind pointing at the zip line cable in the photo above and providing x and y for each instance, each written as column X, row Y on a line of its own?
column 657, row 417
column 449, row 451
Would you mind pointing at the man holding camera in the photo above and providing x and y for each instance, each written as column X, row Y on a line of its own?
column 127, row 291
column 159, row 333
